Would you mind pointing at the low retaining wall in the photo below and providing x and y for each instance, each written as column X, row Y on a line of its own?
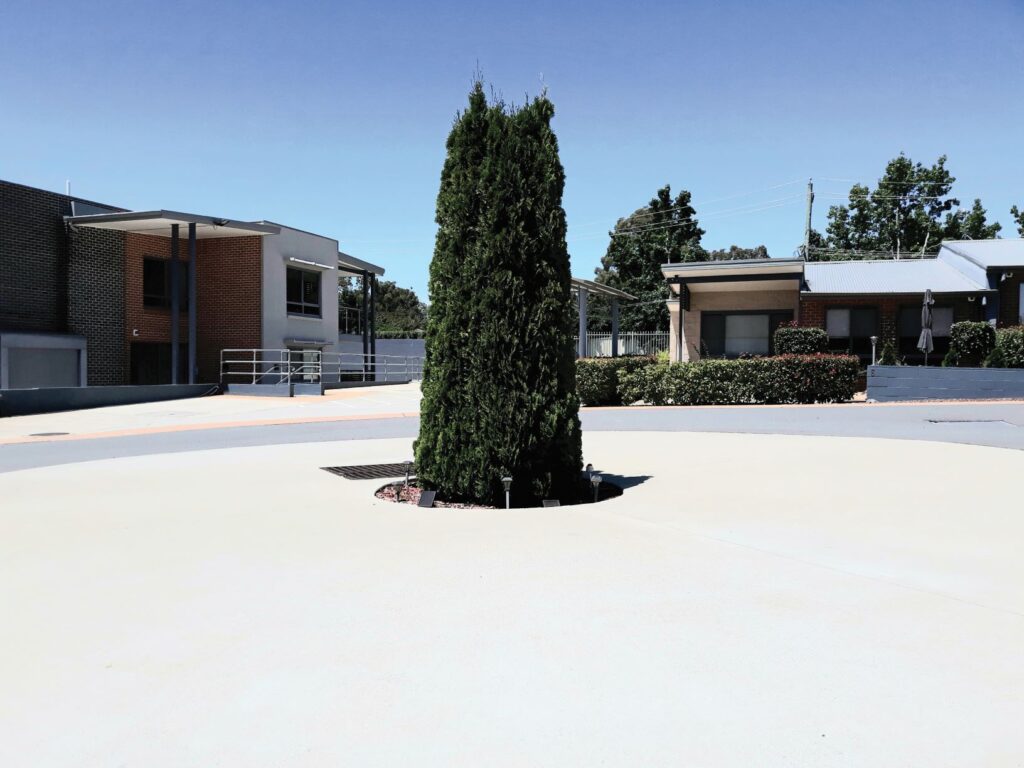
column 22, row 402
column 888, row 383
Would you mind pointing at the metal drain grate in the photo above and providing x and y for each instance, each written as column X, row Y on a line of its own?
column 369, row 471
column 967, row 421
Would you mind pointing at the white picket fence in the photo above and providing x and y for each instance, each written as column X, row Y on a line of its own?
column 631, row 343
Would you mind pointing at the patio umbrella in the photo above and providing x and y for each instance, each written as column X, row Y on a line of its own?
column 924, row 342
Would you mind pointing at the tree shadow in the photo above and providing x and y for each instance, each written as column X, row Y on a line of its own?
column 623, row 481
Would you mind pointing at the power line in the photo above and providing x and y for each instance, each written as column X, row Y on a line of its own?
column 921, row 183
column 675, row 225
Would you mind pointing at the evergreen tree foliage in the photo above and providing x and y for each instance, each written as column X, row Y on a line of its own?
column 665, row 231
column 910, row 209
column 499, row 378
column 1018, row 218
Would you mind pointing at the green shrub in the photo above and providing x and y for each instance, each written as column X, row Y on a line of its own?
column 1009, row 350
column 970, row 343
column 888, row 355
column 597, row 378
column 791, row 339
column 780, row 379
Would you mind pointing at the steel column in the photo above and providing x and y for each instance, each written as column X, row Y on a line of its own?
column 175, row 304
column 615, row 327
column 373, row 324
column 679, row 332
column 192, row 303
column 581, row 297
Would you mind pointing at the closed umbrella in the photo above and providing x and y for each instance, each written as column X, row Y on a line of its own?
column 924, row 342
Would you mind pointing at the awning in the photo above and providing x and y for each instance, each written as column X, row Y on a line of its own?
column 599, row 289
column 354, row 266
column 738, row 275
column 159, row 223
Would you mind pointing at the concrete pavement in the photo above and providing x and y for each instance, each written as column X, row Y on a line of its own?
column 750, row 600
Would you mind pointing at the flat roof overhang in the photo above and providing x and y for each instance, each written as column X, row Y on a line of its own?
column 599, row 289
column 739, row 275
column 159, row 223
column 353, row 266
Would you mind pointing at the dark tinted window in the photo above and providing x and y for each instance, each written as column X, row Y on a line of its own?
column 302, row 292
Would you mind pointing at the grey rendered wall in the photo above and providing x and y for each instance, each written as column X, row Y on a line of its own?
column 21, row 402
column 887, row 383
column 278, row 325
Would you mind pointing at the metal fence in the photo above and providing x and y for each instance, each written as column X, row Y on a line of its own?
column 290, row 366
column 632, row 343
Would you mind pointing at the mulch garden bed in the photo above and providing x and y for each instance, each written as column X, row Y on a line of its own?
column 402, row 494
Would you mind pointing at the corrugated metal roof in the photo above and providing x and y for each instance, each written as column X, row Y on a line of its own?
column 885, row 276
column 989, row 253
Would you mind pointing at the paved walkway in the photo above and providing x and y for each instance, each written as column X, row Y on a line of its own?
column 750, row 600
column 382, row 412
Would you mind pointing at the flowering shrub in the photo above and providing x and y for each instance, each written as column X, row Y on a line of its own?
column 969, row 343
column 780, row 379
column 791, row 339
column 597, row 379
column 1009, row 351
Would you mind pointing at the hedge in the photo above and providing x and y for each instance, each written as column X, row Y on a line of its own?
column 780, row 379
column 1009, row 350
column 792, row 339
column 970, row 343
column 597, row 379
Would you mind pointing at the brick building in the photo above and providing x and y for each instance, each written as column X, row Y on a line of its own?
column 731, row 308
column 92, row 294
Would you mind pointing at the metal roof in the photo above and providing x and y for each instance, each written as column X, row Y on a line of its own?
column 599, row 289
column 886, row 276
column 159, row 223
column 989, row 253
column 347, row 263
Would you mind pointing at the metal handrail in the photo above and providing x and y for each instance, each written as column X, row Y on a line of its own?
column 282, row 366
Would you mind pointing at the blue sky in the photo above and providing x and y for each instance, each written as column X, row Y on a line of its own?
column 332, row 116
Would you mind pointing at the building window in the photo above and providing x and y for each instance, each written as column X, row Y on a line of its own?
column 156, row 283
column 734, row 334
column 850, row 330
column 303, row 292
column 909, row 327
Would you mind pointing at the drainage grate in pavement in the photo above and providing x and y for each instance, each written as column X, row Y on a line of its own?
column 48, row 434
column 967, row 421
column 369, row 471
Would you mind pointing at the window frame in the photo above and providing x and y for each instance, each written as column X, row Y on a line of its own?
column 849, row 347
column 907, row 345
column 776, row 317
column 151, row 301
column 302, row 304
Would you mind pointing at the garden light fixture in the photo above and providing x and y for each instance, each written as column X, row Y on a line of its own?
column 595, row 480
column 507, row 482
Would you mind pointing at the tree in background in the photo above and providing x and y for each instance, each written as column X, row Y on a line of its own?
column 399, row 310
column 499, row 377
column 666, row 231
column 911, row 210
column 1018, row 217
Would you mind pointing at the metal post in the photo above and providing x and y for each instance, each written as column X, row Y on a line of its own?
column 581, row 347
column 807, row 226
column 615, row 327
column 364, row 320
column 175, row 304
column 192, row 303
column 373, row 324
column 679, row 331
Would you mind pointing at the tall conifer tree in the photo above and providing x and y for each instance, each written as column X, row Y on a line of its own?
column 499, row 379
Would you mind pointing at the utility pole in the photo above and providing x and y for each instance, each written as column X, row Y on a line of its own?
column 807, row 226
column 897, row 230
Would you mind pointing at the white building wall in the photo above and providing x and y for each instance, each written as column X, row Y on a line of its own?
column 278, row 325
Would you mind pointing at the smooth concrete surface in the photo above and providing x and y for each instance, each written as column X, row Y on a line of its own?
column 751, row 600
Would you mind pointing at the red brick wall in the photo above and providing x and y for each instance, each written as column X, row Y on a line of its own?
column 228, row 293
column 229, row 299
column 812, row 310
